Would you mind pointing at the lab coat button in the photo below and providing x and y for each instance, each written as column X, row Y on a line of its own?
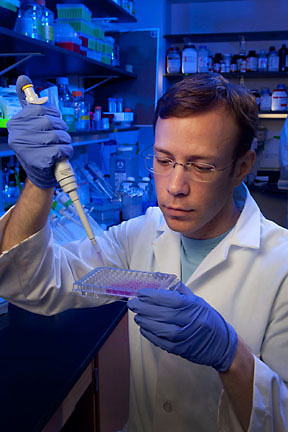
column 167, row 406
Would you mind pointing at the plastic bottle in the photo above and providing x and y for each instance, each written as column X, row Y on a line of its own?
column 48, row 25
column 145, row 184
column 112, row 105
column 265, row 99
column 131, row 197
column 283, row 53
column 97, row 118
column 173, row 60
column 189, row 58
column 227, row 62
column 256, row 94
column 66, row 103
column 273, row 60
column 29, row 21
column 262, row 61
column 82, row 116
column 233, row 64
column 279, row 98
column 203, row 56
column 242, row 58
column 217, row 59
column 123, row 164
column 252, row 61
column 210, row 63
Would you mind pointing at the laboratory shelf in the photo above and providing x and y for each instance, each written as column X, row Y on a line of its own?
column 78, row 138
column 236, row 75
column 52, row 61
column 273, row 115
column 101, row 9
column 224, row 37
column 103, row 131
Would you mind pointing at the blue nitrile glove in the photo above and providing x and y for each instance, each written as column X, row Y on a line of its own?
column 184, row 324
column 39, row 139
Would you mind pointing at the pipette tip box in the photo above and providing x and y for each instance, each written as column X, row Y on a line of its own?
column 121, row 283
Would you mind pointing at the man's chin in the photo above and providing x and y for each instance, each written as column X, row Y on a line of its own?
column 179, row 224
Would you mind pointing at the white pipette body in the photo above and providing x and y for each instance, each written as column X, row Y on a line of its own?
column 63, row 170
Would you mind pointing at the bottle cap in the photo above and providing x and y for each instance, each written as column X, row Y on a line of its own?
column 62, row 80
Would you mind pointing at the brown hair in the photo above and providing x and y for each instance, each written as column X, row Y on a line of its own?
column 203, row 92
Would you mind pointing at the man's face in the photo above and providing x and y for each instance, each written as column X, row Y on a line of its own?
column 196, row 209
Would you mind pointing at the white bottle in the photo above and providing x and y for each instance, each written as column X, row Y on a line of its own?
column 279, row 99
column 203, row 59
column 189, row 59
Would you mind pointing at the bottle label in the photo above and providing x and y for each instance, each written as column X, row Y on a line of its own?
column 265, row 103
column 203, row 63
column 262, row 64
column 279, row 101
column 189, row 64
column 252, row 64
column 273, row 64
column 173, row 66
column 48, row 33
column 243, row 65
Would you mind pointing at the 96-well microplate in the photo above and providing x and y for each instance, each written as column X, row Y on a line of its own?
column 121, row 282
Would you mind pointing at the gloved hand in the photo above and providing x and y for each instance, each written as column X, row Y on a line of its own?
column 39, row 139
column 184, row 324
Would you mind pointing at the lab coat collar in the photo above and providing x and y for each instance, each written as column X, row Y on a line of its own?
column 166, row 248
column 246, row 233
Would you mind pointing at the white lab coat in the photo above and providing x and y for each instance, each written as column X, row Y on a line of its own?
column 244, row 278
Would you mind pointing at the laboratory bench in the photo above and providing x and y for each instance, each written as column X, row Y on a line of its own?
column 68, row 372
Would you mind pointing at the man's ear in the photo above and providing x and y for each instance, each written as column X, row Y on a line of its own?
column 243, row 166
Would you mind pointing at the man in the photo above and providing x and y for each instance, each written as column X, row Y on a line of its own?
column 219, row 347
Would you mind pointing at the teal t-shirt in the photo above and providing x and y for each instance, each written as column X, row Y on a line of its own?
column 193, row 251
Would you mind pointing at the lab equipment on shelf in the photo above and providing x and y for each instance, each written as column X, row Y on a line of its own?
column 65, row 222
column 82, row 112
column 47, row 24
column 101, row 183
column 173, row 60
column 29, row 20
column 131, row 196
column 189, row 58
column 9, row 103
column 73, row 11
column 66, row 37
column 121, row 283
column 149, row 197
column 279, row 98
column 105, row 204
column 66, row 103
column 90, row 39
column 97, row 118
column 123, row 164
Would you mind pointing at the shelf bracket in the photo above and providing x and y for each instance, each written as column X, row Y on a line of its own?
column 27, row 56
column 104, row 80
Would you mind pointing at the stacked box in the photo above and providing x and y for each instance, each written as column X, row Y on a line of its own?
column 73, row 11
column 90, row 33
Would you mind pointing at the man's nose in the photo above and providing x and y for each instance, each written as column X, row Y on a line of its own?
column 178, row 183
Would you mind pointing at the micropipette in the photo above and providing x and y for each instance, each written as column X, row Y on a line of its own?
column 63, row 170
